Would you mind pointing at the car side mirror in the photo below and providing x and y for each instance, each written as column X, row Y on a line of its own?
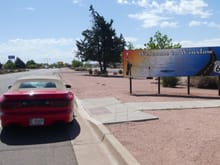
column 67, row 85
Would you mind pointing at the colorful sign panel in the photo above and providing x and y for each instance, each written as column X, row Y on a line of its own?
column 200, row 61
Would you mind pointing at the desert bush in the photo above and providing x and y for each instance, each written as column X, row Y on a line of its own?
column 90, row 71
column 80, row 69
column 208, row 82
column 97, row 72
column 170, row 81
column 115, row 73
column 120, row 71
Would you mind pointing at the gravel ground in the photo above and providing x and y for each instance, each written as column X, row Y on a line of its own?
column 183, row 137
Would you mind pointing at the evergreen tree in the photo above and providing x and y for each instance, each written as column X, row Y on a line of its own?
column 100, row 43
column 19, row 64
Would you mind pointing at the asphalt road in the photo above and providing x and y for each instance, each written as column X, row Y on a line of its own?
column 36, row 146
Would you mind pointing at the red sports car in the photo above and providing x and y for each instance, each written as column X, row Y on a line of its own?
column 37, row 101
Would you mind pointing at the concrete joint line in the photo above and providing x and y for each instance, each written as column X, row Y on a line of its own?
column 121, row 154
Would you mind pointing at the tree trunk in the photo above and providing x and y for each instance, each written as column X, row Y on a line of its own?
column 104, row 67
column 101, row 66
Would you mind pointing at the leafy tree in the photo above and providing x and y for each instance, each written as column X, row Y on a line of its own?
column 1, row 65
column 76, row 63
column 100, row 43
column 31, row 64
column 60, row 64
column 19, row 63
column 160, row 41
column 9, row 65
column 54, row 65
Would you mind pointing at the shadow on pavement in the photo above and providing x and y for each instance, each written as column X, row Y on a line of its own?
column 176, row 96
column 40, row 135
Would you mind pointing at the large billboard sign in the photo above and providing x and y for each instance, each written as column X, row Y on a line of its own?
column 11, row 57
column 200, row 61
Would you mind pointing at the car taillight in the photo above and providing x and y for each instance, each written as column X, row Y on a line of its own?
column 10, row 104
column 60, row 103
column 64, row 102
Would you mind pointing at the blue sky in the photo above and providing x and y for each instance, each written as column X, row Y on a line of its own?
column 46, row 30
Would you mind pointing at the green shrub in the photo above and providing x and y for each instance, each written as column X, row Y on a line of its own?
column 90, row 71
column 170, row 81
column 80, row 69
column 208, row 82
column 97, row 72
column 76, row 64
column 120, row 71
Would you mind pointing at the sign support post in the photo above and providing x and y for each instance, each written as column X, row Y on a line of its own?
column 130, row 84
column 158, row 85
column 188, row 85
column 130, row 78
column 218, row 85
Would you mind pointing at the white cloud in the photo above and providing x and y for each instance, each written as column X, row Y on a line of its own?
column 29, row 8
column 204, row 23
column 141, row 3
column 131, row 39
column 122, row 1
column 213, row 25
column 178, row 7
column 169, row 24
column 152, row 19
column 163, row 14
column 38, row 49
column 195, row 23
column 77, row 2
column 184, row 7
column 195, row 7
column 205, row 43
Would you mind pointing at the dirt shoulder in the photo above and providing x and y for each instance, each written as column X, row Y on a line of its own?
column 190, row 136
column 85, row 86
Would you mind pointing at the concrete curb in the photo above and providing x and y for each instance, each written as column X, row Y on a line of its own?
column 120, row 153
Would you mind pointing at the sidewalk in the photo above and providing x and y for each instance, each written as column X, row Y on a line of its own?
column 88, row 147
column 96, row 145
column 109, row 110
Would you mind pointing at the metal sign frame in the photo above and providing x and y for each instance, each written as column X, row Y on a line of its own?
column 200, row 61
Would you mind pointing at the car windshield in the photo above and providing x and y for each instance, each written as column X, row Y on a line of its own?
column 37, row 84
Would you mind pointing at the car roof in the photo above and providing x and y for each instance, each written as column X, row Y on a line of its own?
column 56, row 79
column 33, row 77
